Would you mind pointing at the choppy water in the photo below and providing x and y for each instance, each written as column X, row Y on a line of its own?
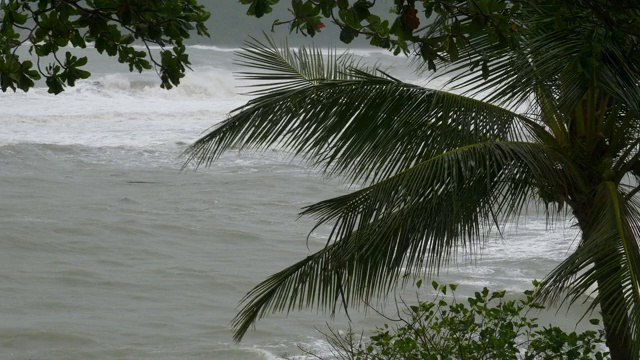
column 108, row 251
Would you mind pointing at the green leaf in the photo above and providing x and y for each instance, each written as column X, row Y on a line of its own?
column 55, row 84
column 259, row 7
column 347, row 34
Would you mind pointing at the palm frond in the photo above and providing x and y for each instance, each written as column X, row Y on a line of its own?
column 412, row 223
column 351, row 121
column 621, row 79
column 444, row 176
column 279, row 68
column 305, row 280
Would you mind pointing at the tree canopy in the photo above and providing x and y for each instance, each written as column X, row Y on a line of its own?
column 114, row 27
column 439, row 30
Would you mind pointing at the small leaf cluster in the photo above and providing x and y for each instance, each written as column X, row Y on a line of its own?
column 486, row 326
column 114, row 27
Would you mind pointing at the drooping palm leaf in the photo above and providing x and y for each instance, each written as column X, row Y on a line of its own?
column 355, row 123
column 411, row 223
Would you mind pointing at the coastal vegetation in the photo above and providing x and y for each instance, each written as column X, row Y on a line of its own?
column 542, row 112
column 114, row 27
column 487, row 325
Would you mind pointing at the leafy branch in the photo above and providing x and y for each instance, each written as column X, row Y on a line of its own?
column 113, row 27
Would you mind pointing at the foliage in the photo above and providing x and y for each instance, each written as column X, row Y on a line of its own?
column 553, row 126
column 458, row 23
column 487, row 326
column 113, row 27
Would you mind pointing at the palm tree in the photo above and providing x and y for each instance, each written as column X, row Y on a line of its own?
column 440, row 170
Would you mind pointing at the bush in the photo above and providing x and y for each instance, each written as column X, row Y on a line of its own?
column 487, row 326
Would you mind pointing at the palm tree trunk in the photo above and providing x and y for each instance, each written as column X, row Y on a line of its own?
column 617, row 338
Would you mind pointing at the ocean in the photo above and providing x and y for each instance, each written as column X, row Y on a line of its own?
column 110, row 251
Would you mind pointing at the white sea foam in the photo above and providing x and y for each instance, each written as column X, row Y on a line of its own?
column 213, row 48
column 120, row 109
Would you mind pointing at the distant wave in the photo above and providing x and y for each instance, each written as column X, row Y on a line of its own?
column 204, row 83
column 212, row 48
column 362, row 52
